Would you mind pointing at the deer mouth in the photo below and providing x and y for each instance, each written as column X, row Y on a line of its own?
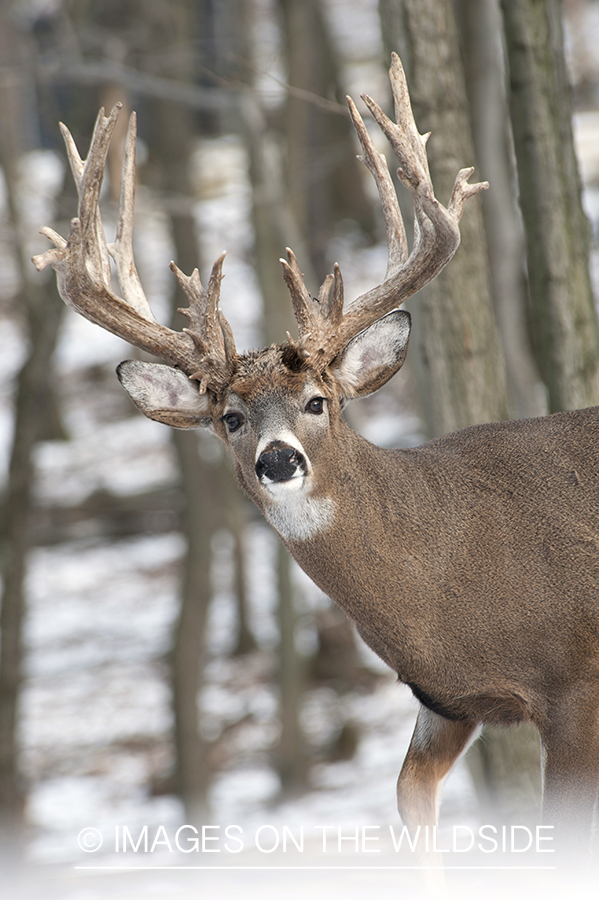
column 281, row 469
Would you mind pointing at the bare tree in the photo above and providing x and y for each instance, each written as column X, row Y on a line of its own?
column 166, row 43
column 461, row 367
column 323, row 179
column 563, row 319
column 41, row 305
column 481, row 35
column 171, row 148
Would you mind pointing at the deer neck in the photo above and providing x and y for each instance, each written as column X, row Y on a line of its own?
column 358, row 505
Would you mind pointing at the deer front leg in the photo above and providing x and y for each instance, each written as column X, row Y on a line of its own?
column 436, row 744
column 571, row 777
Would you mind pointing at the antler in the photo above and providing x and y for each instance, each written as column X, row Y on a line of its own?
column 204, row 351
column 323, row 327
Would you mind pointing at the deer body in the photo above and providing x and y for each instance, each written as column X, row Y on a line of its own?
column 470, row 564
column 490, row 531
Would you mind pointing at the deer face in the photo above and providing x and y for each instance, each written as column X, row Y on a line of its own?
column 278, row 422
column 280, row 419
column 280, row 416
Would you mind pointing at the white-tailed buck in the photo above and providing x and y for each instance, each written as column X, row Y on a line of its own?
column 469, row 564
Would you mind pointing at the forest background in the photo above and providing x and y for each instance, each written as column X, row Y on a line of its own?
column 161, row 658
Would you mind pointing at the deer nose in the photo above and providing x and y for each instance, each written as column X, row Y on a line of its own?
column 280, row 464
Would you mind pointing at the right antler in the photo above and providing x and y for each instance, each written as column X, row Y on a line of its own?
column 205, row 350
column 323, row 327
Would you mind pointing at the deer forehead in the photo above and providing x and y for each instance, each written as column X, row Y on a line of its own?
column 273, row 368
column 267, row 380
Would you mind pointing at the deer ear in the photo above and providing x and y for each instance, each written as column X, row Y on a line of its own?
column 373, row 356
column 165, row 394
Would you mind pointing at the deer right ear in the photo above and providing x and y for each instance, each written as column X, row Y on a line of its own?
column 165, row 394
column 373, row 356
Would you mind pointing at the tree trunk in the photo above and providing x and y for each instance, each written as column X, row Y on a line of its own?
column 237, row 521
column 460, row 366
column 564, row 324
column 42, row 308
column 171, row 148
column 203, row 506
column 324, row 182
column 201, row 487
column 275, row 227
column 480, row 28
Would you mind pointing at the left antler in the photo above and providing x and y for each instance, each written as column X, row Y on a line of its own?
column 323, row 327
column 205, row 350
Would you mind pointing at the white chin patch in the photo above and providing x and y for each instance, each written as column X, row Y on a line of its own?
column 298, row 517
column 284, row 488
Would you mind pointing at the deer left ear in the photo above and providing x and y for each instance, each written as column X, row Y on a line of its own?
column 373, row 356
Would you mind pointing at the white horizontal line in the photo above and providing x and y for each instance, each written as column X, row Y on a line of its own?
column 325, row 868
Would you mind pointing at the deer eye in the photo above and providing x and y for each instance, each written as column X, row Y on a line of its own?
column 315, row 406
column 233, row 421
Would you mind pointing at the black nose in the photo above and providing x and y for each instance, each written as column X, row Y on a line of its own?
column 280, row 464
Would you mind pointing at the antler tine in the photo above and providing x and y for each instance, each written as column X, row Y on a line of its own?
column 462, row 191
column 76, row 163
column 209, row 328
column 202, row 311
column 317, row 319
column 377, row 164
column 408, row 144
column 90, row 185
column 336, row 297
column 88, row 175
column 303, row 305
column 228, row 339
column 219, row 327
column 87, row 227
column 330, row 297
column 122, row 248
column 324, row 294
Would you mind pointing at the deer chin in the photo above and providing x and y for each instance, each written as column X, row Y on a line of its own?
column 293, row 511
column 278, row 490
column 297, row 516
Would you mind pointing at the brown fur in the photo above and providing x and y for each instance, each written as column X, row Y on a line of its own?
column 484, row 549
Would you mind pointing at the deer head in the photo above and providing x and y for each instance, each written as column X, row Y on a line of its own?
column 277, row 408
